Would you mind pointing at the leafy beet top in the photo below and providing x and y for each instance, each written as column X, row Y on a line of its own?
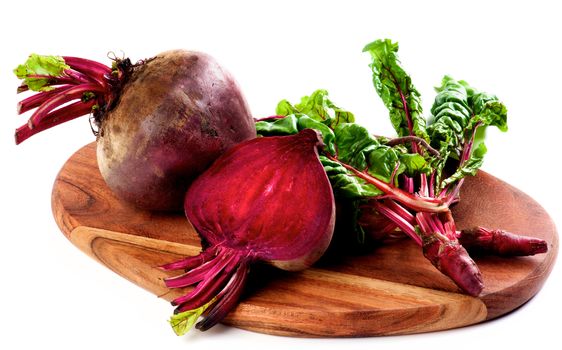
column 408, row 183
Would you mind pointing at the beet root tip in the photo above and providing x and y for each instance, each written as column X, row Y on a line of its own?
column 459, row 266
column 500, row 242
column 538, row 246
column 453, row 260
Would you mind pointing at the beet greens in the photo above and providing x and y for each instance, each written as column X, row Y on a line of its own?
column 406, row 183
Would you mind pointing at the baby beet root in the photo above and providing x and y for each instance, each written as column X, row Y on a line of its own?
column 161, row 121
column 500, row 242
column 266, row 199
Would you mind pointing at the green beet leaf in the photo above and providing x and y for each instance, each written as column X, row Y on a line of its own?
column 182, row 322
column 468, row 168
column 460, row 115
column 280, row 126
column 35, row 72
column 319, row 107
column 396, row 90
column 351, row 143
column 345, row 184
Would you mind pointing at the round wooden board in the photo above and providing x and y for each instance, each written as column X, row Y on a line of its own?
column 392, row 289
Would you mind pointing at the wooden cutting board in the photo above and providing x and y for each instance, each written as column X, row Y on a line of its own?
column 391, row 289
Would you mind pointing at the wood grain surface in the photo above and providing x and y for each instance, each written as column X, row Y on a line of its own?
column 391, row 289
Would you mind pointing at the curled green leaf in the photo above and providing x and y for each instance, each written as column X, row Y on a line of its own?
column 277, row 126
column 395, row 88
column 460, row 115
column 319, row 107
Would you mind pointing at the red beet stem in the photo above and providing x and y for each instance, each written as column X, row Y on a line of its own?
column 68, row 78
column 434, row 205
column 271, row 117
column 400, row 210
column 36, row 100
column 221, row 279
column 190, row 262
column 211, row 273
column 192, row 276
column 227, row 299
column 85, row 80
column 399, row 220
column 87, row 66
column 63, row 97
column 500, row 242
column 92, row 69
column 54, row 118
column 205, row 291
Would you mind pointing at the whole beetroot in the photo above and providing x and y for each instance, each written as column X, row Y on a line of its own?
column 161, row 122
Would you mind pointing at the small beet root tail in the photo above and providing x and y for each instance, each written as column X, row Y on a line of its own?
column 219, row 275
column 449, row 257
column 502, row 243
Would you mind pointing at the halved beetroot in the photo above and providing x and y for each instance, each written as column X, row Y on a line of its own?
column 267, row 199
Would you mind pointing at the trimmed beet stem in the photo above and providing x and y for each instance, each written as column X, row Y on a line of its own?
column 22, row 88
column 211, row 273
column 205, row 291
column 65, row 96
column 36, row 100
column 190, row 262
column 192, row 276
column 54, row 118
column 228, row 299
column 85, row 80
column 220, row 276
column 92, row 69
column 500, row 242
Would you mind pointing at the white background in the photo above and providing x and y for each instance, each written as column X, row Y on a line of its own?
column 53, row 296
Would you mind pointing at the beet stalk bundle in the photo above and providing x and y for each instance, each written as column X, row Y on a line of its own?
column 160, row 122
column 266, row 199
column 409, row 182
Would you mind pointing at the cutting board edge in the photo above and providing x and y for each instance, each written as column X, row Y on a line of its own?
column 529, row 285
column 438, row 316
